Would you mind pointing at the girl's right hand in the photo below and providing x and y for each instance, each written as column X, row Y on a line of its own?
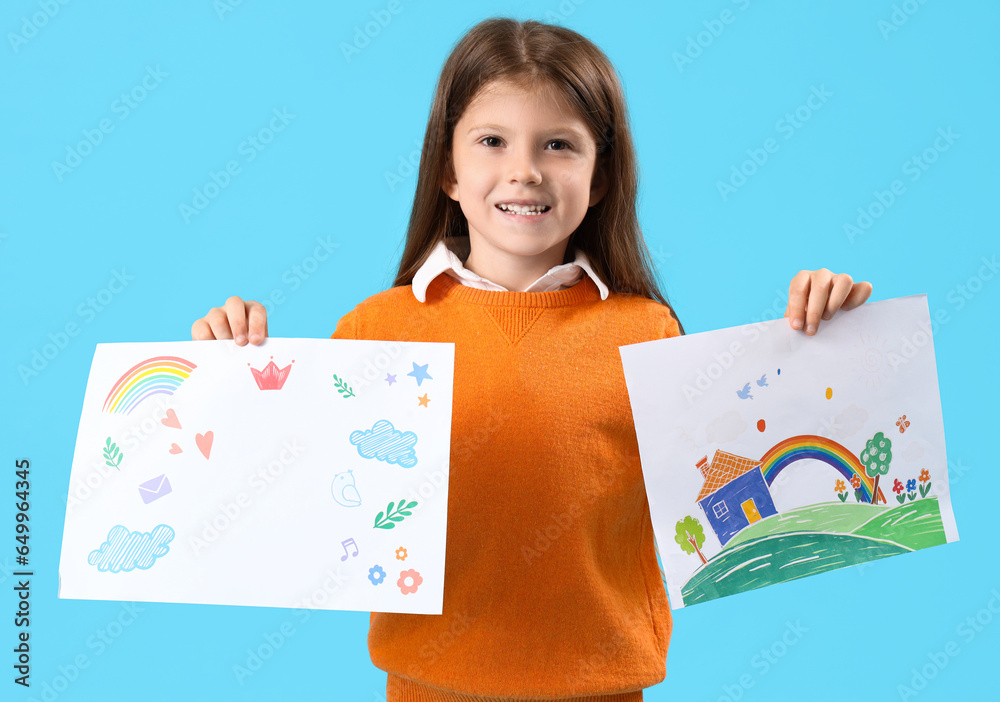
column 233, row 321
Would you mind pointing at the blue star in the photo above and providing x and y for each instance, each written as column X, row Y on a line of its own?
column 420, row 373
column 389, row 378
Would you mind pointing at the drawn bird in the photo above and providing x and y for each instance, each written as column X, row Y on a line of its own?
column 344, row 491
column 762, row 381
column 745, row 392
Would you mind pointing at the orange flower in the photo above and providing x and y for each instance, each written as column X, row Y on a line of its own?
column 925, row 475
column 840, row 487
column 856, row 481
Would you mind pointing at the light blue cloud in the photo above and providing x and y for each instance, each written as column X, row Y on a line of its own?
column 385, row 443
column 125, row 551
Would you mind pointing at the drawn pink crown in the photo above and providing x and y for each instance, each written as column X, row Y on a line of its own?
column 272, row 377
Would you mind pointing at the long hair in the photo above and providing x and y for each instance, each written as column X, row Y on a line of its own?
column 527, row 52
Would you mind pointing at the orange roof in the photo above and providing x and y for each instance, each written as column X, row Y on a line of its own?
column 724, row 467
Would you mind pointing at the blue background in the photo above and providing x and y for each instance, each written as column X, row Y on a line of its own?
column 724, row 261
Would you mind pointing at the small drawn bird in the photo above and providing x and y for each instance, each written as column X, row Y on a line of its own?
column 344, row 491
column 745, row 392
column 762, row 381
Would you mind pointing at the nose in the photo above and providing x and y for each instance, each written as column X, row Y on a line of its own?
column 524, row 165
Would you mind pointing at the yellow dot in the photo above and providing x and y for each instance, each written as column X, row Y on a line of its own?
column 829, row 393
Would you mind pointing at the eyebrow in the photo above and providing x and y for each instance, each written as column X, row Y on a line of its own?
column 498, row 128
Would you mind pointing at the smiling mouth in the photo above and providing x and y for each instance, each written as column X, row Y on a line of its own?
column 524, row 210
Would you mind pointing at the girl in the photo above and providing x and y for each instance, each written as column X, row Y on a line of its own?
column 524, row 250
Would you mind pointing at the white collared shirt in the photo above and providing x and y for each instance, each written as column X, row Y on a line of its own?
column 449, row 255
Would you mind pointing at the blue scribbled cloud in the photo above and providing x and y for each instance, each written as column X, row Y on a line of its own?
column 386, row 443
column 125, row 550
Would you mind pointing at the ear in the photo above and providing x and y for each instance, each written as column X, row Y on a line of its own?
column 600, row 183
column 449, row 183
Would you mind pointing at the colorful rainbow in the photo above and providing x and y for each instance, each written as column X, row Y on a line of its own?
column 819, row 448
column 160, row 375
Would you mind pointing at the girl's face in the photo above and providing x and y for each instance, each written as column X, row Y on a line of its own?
column 513, row 146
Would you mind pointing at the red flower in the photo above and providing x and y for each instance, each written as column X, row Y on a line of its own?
column 897, row 487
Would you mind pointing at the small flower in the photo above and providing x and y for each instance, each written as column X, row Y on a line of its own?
column 400, row 554
column 911, row 485
column 855, row 481
column 925, row 475
column 376, row 575
column 412, row 575
column 840, row 487
column 897, row 487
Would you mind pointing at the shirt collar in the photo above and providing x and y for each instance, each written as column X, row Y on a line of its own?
column 450, row 253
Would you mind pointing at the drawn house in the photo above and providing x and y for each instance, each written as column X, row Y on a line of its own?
column 735, row 493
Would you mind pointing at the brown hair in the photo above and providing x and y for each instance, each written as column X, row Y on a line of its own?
column 524, row 53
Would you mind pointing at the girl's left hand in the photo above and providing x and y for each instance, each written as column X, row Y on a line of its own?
column 816, row 294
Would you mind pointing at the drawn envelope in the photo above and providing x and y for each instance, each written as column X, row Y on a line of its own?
column 154, row 489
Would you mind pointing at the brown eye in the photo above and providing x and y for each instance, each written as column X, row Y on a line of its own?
column 560, row 141
column 489, row 137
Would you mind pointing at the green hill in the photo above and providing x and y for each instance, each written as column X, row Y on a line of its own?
column 826, row 517
column 812, row 540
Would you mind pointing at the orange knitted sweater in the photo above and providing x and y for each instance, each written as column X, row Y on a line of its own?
column 552, row 588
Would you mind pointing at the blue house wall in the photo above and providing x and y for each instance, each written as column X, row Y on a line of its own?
column 731, row 497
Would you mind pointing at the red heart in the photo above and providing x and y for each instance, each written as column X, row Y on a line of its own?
column 204, row 442
column 174, row 448
column 171, row 420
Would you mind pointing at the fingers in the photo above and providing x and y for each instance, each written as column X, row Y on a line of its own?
column 819, row 292
column 816, row 295
column 236, row 314
column 257, row 316
column 798, row 293
column 858, row 295
column 237, row 319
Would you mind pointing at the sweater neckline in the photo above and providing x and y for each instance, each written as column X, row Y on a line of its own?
column 444, row 286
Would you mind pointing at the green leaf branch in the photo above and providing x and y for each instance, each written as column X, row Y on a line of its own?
column 386, row 519
column 342, row 387
column 112, row 456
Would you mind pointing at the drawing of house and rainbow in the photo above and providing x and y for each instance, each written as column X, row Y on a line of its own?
column 762, row 546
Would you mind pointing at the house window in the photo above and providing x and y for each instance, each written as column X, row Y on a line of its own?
column 720, row 509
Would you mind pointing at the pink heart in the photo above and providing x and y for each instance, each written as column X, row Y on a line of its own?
column 174, row 448
column 171, row 420
column 204, row 442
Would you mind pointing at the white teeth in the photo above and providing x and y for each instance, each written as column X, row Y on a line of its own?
column 523, row 209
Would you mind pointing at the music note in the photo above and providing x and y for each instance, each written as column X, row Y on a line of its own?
column 344, row 544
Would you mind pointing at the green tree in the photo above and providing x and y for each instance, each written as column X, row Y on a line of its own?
column 876, row 458
column 690, row 536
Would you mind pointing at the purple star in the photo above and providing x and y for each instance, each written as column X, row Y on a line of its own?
column 389, row 378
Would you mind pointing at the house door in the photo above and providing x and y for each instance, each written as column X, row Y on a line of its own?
column 750, row 509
